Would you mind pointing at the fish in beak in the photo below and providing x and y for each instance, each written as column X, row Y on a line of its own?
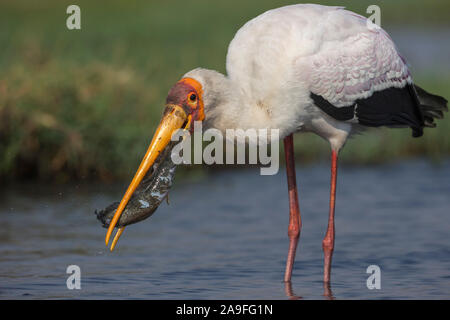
column 183, row 106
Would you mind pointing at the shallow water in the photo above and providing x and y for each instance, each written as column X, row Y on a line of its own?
column 225, row 237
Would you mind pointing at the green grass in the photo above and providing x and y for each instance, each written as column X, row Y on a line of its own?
column 84, row 104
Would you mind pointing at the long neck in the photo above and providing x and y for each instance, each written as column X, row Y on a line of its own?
column 228, row 105
column 227, row 108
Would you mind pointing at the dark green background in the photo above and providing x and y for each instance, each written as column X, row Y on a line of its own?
column 84, row 104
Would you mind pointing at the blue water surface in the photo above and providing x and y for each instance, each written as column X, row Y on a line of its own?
column 225, row 237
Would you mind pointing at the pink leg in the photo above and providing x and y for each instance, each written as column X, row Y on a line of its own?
column 328, row 241
column 295, row 222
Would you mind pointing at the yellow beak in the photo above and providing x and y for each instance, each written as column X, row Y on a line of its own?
column 174, row 117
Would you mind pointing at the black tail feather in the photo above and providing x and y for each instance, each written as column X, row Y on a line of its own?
column 431, row 105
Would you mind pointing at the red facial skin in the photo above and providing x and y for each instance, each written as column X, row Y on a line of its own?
column 182, row 94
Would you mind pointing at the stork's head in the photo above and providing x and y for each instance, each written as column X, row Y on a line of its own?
column 187, row 96
column 184, row 106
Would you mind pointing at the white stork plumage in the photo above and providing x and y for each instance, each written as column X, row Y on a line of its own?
column 299, row 68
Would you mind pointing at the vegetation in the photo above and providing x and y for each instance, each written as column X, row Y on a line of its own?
column 84, row 104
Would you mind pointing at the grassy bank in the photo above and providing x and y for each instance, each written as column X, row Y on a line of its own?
column 84, row 104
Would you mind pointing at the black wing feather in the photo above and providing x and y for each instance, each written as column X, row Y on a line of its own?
column 392, row 107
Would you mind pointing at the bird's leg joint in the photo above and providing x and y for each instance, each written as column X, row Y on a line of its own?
column 294, row 232
column 328, row 243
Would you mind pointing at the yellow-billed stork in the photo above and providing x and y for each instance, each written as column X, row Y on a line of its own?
column 299, row 68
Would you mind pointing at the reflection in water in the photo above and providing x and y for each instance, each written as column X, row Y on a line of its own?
column 289, row 292
column 327, row 292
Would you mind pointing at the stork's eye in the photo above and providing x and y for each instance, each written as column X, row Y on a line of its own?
column 192, row 97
